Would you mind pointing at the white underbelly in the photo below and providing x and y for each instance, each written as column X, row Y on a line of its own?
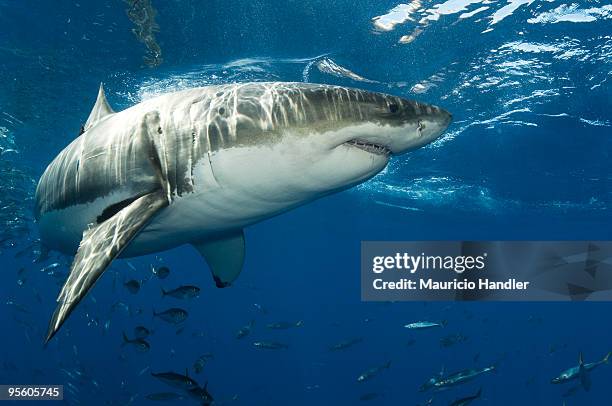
column 232, row 189
column 211, row 209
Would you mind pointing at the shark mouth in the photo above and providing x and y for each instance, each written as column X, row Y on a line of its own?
column 370, row 147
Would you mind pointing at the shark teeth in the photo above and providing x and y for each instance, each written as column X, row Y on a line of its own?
column 370, row 147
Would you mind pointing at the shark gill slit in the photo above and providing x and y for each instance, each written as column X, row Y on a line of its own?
column 113, row 209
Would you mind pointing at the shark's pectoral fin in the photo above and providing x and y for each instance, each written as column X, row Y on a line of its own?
column 99, row 246
column 225, row 256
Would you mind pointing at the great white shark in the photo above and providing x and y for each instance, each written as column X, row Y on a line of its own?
column 197, row 166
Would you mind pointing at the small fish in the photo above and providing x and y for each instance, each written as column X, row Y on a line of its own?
column 165, row 396
column 284, row 325
column 369, row 396
column 22, row 279
column 581, row 372
column 466, row 400
column 49, row 268
column 17, row 306
column 182, row 292
column 245, row 330
column 106, row 327
column 141, row 332
column 133, row 286
column 342, row 345
column 162, row 272
column 176, row 380
column 173, row 315
column 422, row 325
column 260, row 308
column 198, row 366
column 37, row 295
column 201, row 395
column 270, row 345
column 120, row 305
column 452, row 339
column 139, row 343
column 370, row 373
column 459, row 378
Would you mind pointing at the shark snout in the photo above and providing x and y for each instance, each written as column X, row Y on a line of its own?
column 425, row 124
column 441, row 123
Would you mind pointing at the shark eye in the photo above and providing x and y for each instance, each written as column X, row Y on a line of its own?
column 393, row 108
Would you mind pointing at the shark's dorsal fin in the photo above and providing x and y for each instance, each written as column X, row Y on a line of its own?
column 100, row 110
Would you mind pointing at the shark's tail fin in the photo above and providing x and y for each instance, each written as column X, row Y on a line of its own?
column 300, row 323
column 478, row 394
column 606, row 358
column 163, row 292
column 443, row 323
column 388, row 365
column 580, row 360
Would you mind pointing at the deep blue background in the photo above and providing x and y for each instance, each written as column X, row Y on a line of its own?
column 527, row 157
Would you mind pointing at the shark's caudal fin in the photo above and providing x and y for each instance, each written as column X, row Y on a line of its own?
column 100, row 110
column 225, row 257
column 606, row 358
column 99, row 246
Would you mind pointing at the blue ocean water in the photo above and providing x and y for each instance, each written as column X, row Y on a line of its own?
column 527, row 157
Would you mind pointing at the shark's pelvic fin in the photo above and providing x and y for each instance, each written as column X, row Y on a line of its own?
column 100, row 110
column 225, row 257
column 99, row 246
